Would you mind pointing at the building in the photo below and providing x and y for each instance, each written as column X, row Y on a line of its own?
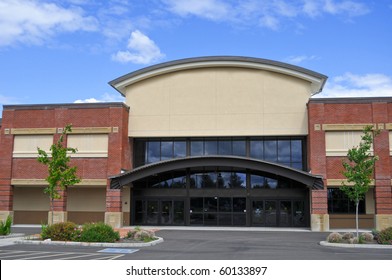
column 222, row 141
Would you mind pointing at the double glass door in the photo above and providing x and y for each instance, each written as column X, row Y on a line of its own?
column 278, row 213
column 159, row 212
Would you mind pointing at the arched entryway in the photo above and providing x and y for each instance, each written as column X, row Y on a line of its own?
column 219, row 191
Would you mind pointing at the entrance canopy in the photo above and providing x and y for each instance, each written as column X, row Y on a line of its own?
column 310, row 180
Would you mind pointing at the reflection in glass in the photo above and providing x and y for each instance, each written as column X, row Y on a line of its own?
column 284, row 151
column 270, row 151
column 210, row 204
column 225, row 147
column 208, row 180
column 179, row 149
column 210, row 148
column 196, row 148
column 258, row 212
column 239, row 148
column 166, row 150
column 296, row 150
column 238, row 180
column 179, row 182
column 271, row 183
column 257, row 181
column 139, row 211
column 299, row 213
column 256, row 149
column 153, row 152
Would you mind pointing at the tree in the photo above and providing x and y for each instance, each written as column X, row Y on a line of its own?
column 60, row 174
column 359, row 169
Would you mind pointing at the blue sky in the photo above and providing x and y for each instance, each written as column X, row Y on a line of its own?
column 67, row 51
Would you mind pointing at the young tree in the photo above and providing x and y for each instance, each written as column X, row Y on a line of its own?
column 359, row 169
column 60, row 174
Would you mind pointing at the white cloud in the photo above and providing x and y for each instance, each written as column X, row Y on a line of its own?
column 269, row 14
column 106, row 97
column 210, row 9
column 33, row 22
column 140, row 50
column 353, row 85
column 300, row 58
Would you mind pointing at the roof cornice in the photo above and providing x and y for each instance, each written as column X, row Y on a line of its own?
column 317, row 80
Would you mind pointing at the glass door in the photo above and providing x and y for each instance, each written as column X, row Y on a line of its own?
column 166, row 212
column 258, row 215
column 270, row 213
column 299, row 213
column 285, row 213
column 152, row 212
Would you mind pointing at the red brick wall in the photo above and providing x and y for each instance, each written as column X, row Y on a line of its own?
column 113, row 115
column 343, row 111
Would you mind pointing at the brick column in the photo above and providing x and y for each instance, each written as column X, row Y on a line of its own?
column 6, row 147
column 382, row 172
column 60, row 213
column 6, row 199
column 114, row 214
column 317, row 165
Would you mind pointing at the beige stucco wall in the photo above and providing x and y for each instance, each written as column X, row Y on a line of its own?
column 86, row 199
column 218, row 102
column 31, row 199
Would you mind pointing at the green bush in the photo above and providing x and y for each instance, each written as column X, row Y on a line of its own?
column 98, row 232
column 5, row 227
column 385, row 236
column 65, row 231
column 334, row 237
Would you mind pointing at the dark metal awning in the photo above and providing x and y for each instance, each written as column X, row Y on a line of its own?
column 310, row 180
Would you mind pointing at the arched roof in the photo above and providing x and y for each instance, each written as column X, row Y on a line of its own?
column 312, row 181
column 317, row 80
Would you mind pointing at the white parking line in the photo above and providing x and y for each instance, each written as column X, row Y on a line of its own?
column 31, row 255
column 48, row 255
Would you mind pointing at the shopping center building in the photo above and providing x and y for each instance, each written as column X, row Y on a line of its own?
column 208, row 141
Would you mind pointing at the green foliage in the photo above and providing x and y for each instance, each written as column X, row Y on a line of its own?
column 5, row 227
column 334, row 237
column 98, row 232
column 61, row 174
column 385, row 236
column 66, row 231
column 359, row 170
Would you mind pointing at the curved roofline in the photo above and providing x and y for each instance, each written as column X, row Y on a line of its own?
column 313, row 181
column 317, row 80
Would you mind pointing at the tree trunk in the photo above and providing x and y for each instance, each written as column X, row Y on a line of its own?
column 51, row 210
column 356, row 217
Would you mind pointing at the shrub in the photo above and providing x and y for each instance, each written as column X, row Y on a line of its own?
column 65, row 231
column 98, row 232
column 385, row 236
column 375, row 233
column 367, row 236
column 5, row 226
column 347, row 236
column 141, row 234
column 334, row 237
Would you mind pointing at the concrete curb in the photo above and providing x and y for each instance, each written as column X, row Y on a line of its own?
column 88, row 244
column 363, row 246
column 12, row 235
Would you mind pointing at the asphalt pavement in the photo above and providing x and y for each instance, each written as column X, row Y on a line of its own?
column 211, row 244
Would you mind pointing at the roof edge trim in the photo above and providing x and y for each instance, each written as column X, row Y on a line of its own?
column 317, row 80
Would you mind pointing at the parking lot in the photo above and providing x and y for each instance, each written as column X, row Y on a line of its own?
column 205, row 245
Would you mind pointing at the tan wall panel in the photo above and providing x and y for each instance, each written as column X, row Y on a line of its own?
column 30, row 217
column 218, row 102
column 86, row 199
column 348, row 221
column 30, row 199
column 82, row 217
